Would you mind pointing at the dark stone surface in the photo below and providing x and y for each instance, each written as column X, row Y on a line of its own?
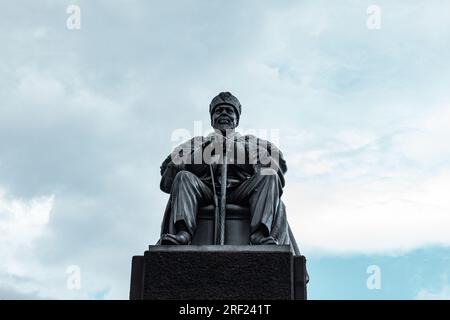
column 137, row 272
column 218, row 272
column 237, row 225
column 300, row 278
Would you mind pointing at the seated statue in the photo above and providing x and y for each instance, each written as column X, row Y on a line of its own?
column 225, row 166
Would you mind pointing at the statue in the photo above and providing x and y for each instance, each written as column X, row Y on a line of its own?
column 225, row 167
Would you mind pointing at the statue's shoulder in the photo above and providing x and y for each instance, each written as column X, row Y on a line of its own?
column 191, row 142
column 272, row 149
column 199, row 139
column 250, row 138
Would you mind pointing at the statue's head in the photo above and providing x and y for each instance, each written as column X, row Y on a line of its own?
column 225, row 110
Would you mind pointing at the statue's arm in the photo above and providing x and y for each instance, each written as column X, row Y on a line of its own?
column 168, row 176
column 277, row 155
column 278, row 163
column 170, row 168
column 165, row 164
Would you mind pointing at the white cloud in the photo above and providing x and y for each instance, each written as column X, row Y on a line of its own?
column 24, row 274
column 371, row 216
column 22, row 222
column 37, row 87
column 389, row 195
column 428, row 143
column 427, row 294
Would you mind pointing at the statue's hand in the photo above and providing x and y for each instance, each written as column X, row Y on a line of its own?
column 175, row 168
column 169, row 175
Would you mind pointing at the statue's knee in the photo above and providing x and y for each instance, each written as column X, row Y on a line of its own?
column 268, row 173
column 269, row 176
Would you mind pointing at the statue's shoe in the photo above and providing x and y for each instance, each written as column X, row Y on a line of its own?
column 258, row 239
column 181, row 238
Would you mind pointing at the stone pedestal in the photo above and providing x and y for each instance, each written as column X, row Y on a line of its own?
column 218, row 272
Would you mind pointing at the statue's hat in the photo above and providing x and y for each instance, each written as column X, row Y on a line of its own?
column 225, row 98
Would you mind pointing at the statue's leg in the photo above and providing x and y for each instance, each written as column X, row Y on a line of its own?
column 263, row 192
column 187, row 192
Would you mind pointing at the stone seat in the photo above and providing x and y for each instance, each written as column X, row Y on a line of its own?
column 237, row 225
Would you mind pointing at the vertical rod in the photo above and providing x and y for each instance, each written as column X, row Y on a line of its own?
column 223, row 197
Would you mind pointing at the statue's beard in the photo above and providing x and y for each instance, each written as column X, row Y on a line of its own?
column 224, row 123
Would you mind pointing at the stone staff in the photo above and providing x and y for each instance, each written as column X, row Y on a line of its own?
column 220, row 227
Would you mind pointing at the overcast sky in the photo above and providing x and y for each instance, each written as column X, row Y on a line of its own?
column 362, row 116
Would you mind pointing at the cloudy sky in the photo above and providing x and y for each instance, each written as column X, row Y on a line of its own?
column 362, row 116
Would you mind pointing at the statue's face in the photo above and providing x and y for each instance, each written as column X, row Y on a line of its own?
column 224, row 117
